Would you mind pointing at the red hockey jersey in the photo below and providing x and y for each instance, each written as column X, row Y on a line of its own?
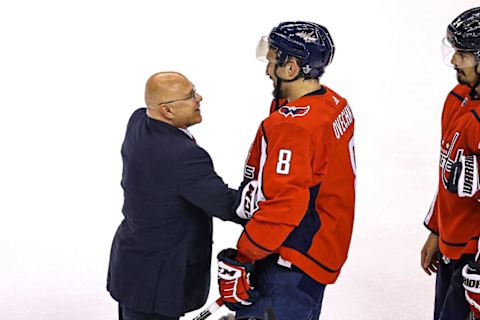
column 457, row 219
column 303, row 158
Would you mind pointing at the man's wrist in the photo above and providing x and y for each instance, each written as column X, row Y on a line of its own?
column 242, row 258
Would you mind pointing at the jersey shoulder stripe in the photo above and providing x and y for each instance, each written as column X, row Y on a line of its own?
column 456, row 95
column 475, row 114
column 263, row 131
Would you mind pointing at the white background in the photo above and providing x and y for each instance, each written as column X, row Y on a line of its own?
column 72, row 72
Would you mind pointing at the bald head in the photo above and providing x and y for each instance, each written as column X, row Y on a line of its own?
column 165, row 86
column 170, row 97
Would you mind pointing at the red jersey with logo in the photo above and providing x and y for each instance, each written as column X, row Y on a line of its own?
column 303, row 158
column 457, row 219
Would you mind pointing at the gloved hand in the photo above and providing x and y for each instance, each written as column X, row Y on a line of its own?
column 464, row 177
column 233, row 280
column 248, row 202
column 471, row 283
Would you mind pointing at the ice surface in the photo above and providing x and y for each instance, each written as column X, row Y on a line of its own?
column 71, row 73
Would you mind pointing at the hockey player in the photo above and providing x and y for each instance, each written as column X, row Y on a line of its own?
column 299, row 187
column 454, row 218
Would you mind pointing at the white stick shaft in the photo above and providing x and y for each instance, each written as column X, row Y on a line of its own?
column 210, row 310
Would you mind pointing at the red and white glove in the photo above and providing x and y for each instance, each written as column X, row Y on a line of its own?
column 234, row 280
column 471, row 283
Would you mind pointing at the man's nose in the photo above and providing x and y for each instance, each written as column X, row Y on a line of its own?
column 455, row 59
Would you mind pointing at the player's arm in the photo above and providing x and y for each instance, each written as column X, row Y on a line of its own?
column 430, row 250
column 248, row 192
column 431, row 220
column 429, row 254
column 464, row 178
column 285, row 182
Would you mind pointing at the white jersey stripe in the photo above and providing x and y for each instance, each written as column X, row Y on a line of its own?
column 263, row 158
column 430, row 211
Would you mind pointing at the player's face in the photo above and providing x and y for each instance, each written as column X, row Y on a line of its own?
column 270, row 71
column 272, row 61
column 186, row 109
column 465, row 65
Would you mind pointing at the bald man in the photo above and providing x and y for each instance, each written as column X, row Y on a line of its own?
column 160, row 258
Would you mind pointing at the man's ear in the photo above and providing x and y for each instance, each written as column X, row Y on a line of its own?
column 166, row 111
column 293, row 69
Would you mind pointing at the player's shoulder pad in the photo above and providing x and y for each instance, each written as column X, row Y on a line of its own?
column 334, row 97
column 294, row 111
column 460, row 92
column 476, row 114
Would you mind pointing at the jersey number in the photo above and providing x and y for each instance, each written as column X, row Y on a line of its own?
column 285, row 156
column 283, row 164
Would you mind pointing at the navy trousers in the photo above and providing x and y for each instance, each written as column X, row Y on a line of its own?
column 450, row 303
column 289, row 292
column 125, row 313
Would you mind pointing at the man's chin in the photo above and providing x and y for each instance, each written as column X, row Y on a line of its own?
column 280, row 95
column 461, row 79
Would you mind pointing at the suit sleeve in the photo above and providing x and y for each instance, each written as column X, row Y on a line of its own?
column 286, row 178
column 201, row 186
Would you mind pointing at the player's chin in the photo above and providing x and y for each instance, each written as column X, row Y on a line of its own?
column 461, row 77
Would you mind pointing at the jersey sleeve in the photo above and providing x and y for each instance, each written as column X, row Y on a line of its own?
column 476, row 147
column 286, row 175
column 431, row 220
column 473, row 137
column 477, row 142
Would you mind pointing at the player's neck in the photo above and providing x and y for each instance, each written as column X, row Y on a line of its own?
column 301, row 87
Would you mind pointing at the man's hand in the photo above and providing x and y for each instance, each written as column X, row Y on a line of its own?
column 464, row 177
column 471, row 283
column 429, row 254
column 248, row 201
column 233, row 280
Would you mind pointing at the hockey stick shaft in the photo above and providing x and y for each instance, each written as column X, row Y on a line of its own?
column 210, row 310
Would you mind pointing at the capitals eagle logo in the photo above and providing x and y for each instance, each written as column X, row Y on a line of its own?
column 294, row 111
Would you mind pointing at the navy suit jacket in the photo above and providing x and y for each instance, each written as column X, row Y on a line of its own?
column 161, row 252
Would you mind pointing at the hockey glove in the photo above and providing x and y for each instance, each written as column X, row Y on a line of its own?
column 248, row 200
column 464, row 177
column 471, row 283
column 233, row 280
